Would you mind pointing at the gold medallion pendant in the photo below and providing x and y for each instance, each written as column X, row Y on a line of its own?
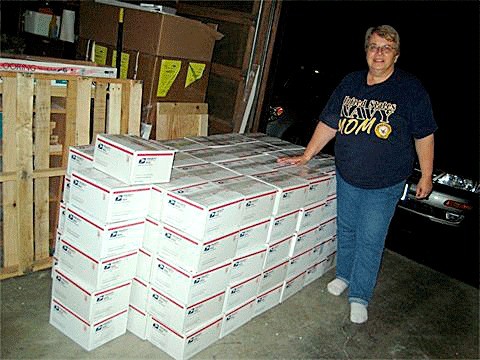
column 383, row 130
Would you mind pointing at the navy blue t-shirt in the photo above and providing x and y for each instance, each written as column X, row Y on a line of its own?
column 376, row 125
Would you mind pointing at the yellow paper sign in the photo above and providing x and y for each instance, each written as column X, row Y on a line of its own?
column 100, row 54
column 169, row 70
column 123, row 63
column 194, row 73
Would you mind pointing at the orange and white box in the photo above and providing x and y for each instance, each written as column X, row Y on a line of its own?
column 107, row 199
column 292, row 190
column 237, row 317
column 182, row 346
column 331, row 207
column 88, row 335
column 273, row 276
column 91, row 305
column 79, row 157
column 133, row 160
column 282, row 226
column 96, row 273
column 252, row 236
column 216, row 210
column 178, row 179
column 248, row 265
column 311, row 215
column 327, row 228
column 304, row 241
column 278, row 251
column 239, row 293
column 319, row 183
column 259, row 197
column 180, row 317
column 299, row 263
column 144, row 264
column 137, row 322
column 292, row 285
column 101, row 240
column 186, row 287
column 268, row 299
column 195, row 255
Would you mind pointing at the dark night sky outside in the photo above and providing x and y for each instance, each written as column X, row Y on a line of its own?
column 439, row 45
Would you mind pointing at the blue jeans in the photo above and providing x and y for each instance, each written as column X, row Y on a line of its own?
column 363, row 218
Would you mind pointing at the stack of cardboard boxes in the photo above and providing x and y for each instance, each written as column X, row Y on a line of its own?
column 222, row 235
column 171, row 54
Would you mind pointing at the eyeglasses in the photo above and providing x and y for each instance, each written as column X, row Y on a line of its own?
column 385, row 49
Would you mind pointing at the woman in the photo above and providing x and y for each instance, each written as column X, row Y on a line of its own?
column 380, row 117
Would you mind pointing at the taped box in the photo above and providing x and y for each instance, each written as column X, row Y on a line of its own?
column 133, row 160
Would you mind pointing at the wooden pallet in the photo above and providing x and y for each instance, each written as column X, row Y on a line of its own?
column 42, row 115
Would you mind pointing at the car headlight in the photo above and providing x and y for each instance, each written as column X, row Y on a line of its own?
column 458, row 182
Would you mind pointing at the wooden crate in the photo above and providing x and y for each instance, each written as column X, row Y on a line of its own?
column 177, row 120
column 42, row 115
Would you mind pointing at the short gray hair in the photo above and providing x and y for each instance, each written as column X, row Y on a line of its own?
column 386, row 32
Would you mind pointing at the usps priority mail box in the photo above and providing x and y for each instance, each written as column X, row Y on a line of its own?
column 106, row 198
column 238, row 317
column 182, row 346
column 80, row 157
column 192, row 254
column 311, row 215
column 259, row 197
column 238, row 293
column 91, row 305
column 132, row 159
column 282, row 226
column 188, row 288
column 292, row 285
column 278, row 251
column 137, row 322
column 268, row 299
column 319, row 183
column 252, row 236
column 96, row 273
column 292, row 190
column 101, row 240
column 216, row 210
column 180, row 317
column 89, row 335
column 248, row 265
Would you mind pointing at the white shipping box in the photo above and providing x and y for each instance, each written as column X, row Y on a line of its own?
column 180, row 346
column 238, row 317
column 80, row 157
column 152, row 234
column 66, row 189
column 311, row 215
column 305, row 240
column 102, row 240
column 216, row 210
column 253, row 165
column 212, row 155
column 252, row 236
column 248, row 265
column 209, row 171
column 61, row 217
column 282, row 226
column 96, row 273
column 106, row 198
column 239, row 293
column 299, row 263
column 179, row 179
column 137, row 322
column 320, row 184
column 87, row 335
column 90, row 305
column 331, row 207
column 259, row 197
column 39, row 23
column 320, row 268
column 186, row 287
column 194, row 255
column 132, row 159
column 278, row 251
column 139, row 294
column 181, row 144
column 144, row 264
column 273, row 276
column 268, row 299
column 182, row 318
column 327, row 228
column 292, row 190
column 292, row 285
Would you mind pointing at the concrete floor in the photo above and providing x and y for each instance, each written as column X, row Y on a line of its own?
column 416, row 313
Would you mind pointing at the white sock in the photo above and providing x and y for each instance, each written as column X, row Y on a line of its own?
column 336, row 287
column 358, row 313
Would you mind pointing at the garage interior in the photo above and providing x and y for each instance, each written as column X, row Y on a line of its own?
column 417, row 312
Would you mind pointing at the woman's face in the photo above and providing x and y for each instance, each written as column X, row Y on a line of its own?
column 381, row 55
